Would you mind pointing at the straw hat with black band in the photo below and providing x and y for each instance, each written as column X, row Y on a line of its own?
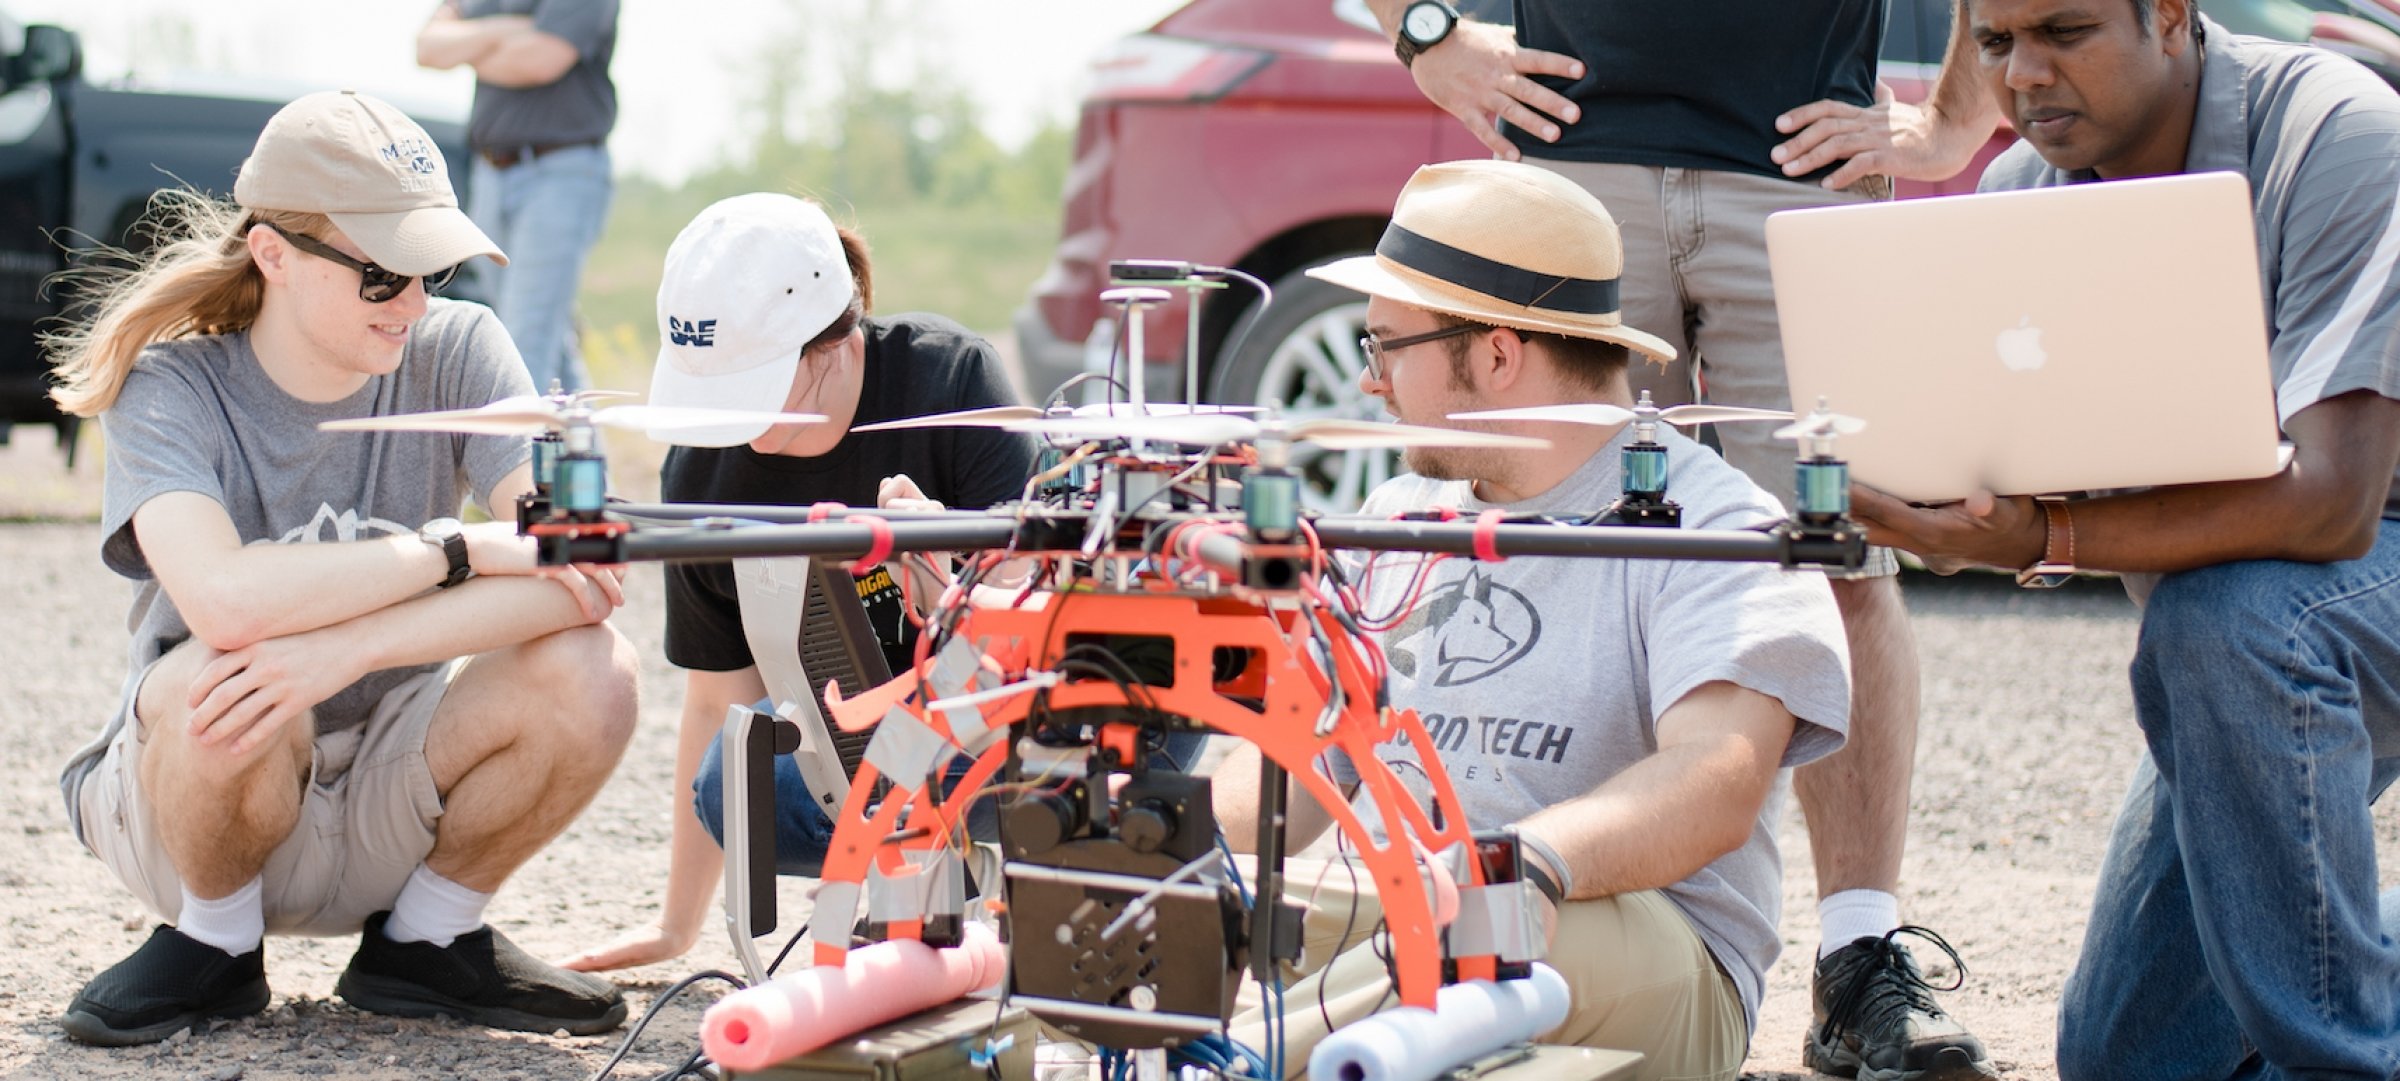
column 1504, row 243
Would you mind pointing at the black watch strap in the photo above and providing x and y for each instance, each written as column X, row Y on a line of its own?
column 1408, row 48
column 454, row 548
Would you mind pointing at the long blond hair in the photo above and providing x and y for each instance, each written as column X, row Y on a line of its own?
column 198, row 280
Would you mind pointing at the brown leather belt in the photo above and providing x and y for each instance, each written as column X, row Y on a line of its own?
column 509, row 156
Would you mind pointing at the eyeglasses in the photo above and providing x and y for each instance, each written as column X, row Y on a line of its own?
column 1376, row 348
column 375, row 284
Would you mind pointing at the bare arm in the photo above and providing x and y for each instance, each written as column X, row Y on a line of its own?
column 695, row 861
column 1480, row 75
column 2325, row 507
column 526, row 58
column 1667, row 816
column 246, row 694
column 1929, row 142
column 446, row 40
column 1234, row 795
column 232, row 594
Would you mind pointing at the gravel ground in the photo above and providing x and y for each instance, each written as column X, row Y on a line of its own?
column 2027, row 742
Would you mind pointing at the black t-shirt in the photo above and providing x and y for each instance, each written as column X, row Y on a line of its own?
column 915, row 365
column 1697, row 84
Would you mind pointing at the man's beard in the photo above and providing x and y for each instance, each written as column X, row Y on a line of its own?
column 1450, row 463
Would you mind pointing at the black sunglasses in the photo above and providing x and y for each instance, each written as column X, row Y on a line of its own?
column 375, row 284
column 1375, row 348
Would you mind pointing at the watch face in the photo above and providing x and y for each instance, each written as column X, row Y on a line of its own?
column 1425, row 22
column 443, row 528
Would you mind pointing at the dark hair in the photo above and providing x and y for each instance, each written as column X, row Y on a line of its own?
column 1586, row 362
column 862, row 296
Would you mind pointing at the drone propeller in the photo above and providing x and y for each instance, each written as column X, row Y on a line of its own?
column 1211, row 429
column 1601, row 414
column 1004, row 416
column 1820, row 424
column 529, row 414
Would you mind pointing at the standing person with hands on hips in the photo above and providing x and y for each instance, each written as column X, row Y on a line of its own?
column 1693, row 122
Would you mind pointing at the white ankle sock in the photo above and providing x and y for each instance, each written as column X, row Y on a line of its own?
column 434, row 909
column 234, row 923
column 1855, row 914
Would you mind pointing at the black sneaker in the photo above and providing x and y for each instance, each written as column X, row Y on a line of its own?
column 1876, row 1018
column 172, row 983
column 481, row 978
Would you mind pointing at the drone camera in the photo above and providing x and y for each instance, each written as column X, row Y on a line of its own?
column 1149, row 270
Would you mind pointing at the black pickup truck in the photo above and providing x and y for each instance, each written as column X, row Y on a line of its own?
column 78, row 163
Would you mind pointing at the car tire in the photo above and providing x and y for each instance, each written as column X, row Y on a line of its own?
column 1301, row 356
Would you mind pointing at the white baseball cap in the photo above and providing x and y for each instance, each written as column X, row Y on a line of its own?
column 372, row 170
column 747, row 285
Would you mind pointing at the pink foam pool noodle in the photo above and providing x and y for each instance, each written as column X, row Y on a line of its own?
column 792, row 1015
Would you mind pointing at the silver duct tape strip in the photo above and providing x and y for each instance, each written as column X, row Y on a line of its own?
column 835, row 913
column 1497, row 920
column 935, row 888
column 905, row 749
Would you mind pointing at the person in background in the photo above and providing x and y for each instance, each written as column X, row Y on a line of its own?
column 538, row 130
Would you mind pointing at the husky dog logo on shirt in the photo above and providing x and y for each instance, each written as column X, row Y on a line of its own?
column 1464, row 631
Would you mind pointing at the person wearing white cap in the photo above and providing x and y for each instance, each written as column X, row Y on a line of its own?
column 1635, row 720
column 346, row 713
column 764, row 302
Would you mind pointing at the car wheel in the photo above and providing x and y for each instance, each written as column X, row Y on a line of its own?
column 1301, row 355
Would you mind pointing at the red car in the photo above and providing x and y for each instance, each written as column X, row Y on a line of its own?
column 1271, row 136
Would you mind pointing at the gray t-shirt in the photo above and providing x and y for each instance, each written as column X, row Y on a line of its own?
column 580, row 107
column 2318, row 136
column 200, row 415
column 1540, row 678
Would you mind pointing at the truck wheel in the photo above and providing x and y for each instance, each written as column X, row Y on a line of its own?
column 1301, row 355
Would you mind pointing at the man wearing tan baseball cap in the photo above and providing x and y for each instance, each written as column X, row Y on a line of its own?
column 1632, row 719
column 345, row 712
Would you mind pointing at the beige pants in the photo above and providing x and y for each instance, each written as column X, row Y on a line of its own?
column 1639, row 978
column 366, row 821
column 1696, row 276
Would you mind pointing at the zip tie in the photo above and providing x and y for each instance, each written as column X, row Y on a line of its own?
column 1487, row 541
column 818, row 512
column 880, row 548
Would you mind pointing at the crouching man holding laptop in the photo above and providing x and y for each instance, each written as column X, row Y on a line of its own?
column 2236, row 932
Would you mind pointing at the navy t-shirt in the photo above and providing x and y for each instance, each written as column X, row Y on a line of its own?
column 1697, row 84
column 915, row 365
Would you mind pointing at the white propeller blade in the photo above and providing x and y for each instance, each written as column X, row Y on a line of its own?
column 526, row 415
column 1333, row 433
column 1603, row 415
column 1820, row 424
column 998, row 416
column 1002, row 416
column 1211, row 429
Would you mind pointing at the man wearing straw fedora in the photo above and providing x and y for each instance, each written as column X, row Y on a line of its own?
column 345, row 713
column 1688, row 121
column 1634, row 720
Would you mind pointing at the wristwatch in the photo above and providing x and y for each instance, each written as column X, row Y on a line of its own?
column 1422, row 26
column 2057, row 564
column 447, row 535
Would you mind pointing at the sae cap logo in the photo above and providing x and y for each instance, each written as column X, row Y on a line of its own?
column 701, row 333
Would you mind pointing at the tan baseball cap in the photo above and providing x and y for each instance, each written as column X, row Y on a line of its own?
column 371, row 169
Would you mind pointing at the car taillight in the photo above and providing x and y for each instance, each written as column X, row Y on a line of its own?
column 1153, row 67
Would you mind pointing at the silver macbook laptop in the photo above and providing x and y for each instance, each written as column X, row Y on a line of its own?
column 2104, row 335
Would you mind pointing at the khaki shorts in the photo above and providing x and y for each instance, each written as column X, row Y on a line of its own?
column 1696, row 276
column 1638, row 975
column 366, row 821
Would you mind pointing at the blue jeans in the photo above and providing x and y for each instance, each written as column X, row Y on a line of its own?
column 545, row 213
column 804, row 833
column 2237, row 932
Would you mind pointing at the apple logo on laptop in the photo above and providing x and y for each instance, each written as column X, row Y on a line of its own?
column 2020, row 347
